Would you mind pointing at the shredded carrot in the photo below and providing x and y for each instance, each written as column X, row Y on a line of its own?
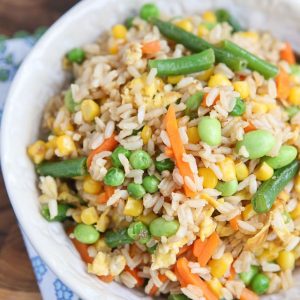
column 108, row 145
column 178, row 148
column 186, row 277
column 198, row 247
column 287, row 54
column 169, row 152
column 249, row 128
column 107, row 279
column 209, row 249
column 203, row 103
column 283, row 84
column 232, row 273
column 234, row 222
column 163, row 278
column 108, row 192
column 151, row 47
column 184, row 249
column 248, row 295
column 134, row 273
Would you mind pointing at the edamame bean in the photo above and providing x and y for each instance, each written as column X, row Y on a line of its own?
column 285, row 156
column 239, row 108
column 150, row 183
column 246, row 277
column 138, row 231
column 257, row 143
column 136, row 190
column 227, row 188
column 140, row 160
column 114, row 239
column 160, row 227
column 209, row 130
column 114, row 177
column 149, row 10
column 86, row 234
column 61, row 213
column 76, row 55
column 115, row 156
column 164, row 165
column 260, row 283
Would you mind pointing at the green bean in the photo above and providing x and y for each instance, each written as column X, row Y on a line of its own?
column 254, row 63
column 227, row 188
column 178, row 297
column 160, row 227
column 150, row 183
column 136, row 190
column 114, row 239
column 197, row 44
column 129, row 22
column 69, row 101
column 292, row 111
column 260, row 283
column 61, row 213
column 184, row 65
column 139, row 232
column 193, row 103
column 115, row 156
column 267, row 192
column 285, row 156
column 64, row 168
column 164, row 165
column 239, row 108
column 224, row 16
column 209, row 130
column 114, row 177
column 86, row 234
column 246, row 277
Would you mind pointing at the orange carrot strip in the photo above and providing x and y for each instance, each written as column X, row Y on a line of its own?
column 162, row 278
column 249, row 128
column 187, row 277
column 210, row 247
column 248, row 295
column 108, row 192
column 151, row 47
column 283, row 84
column 169, row 152
column 287, row 54
column 108, row 145
column 178, row 148
column 198, row 247
column 107, row 279
column 232, row 273
column 234, row 222
column 203, row 103
column 134, row 273
column 184, row 249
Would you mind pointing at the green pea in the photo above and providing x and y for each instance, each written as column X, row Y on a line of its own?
column 129, row 22
column 227, row 188
column 285, row 156
column 246, row 277
column 150, row 183
column 209, row 130
column 160, row 227
column 138, row 231
column 178, row 297
column 69, row 101
column 239, row 108
column 61, row 213
column 86, row 234
column 292, row 111
column 117, row 238
column 257, row 143
column 260, row 283
column 164, row 165
column 76, row 55
column 140, row 160
column 193, row 103
column 148, row 11
column 136, row 190
column 114, row 177
column 115, row 156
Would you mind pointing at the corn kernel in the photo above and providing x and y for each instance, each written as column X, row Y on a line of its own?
column 269, row 254
column 259, row 108
column 210, row 179
column 286, row 260
column 52, row 143
column 174, row 79
column 90, row 110
column 295, row 214
column 193, row 135
column 103, row 222
column 76, row 215
column 248, row 212
column 114, row 49
column 37, row 151
column 119, row 31
column 294, row 95
column 205, row 75
column 185, row 25
column 91, row 186
column 147, row 219
column 89, row 215
column 218, row 267
column 65, row 145
column 216, row 286
column 241, row 171
column 146, row 134
column 242, row 87
column 58, row 130
column 133, row 207
column 227, row 167
column 249, row 34
column 264, row 172
column 102, row 246
column 209, row 17
column 202, row 30
column 218, row 80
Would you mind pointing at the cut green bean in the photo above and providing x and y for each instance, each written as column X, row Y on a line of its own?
column 64, row 168
column 197, row 44
column 114, row 239
column 254, row 63
column 69, row 101
column 239, row 108
column 61, row 213
column 267, row 192
column 184, row 65
column 224, row 16
column 193, row 103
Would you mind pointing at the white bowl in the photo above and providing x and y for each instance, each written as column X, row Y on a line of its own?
column 40, row 77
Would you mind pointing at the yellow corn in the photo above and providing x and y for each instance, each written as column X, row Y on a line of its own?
column 57, row 130
column 242, row 87
column 90, row 110
column 224, row 231
column 37, row 151
column 248, row 212
column 91, row 186
column 286, row 260
column 218, row 267
column 133, row 207
column 297, row 184
column 103, row 222
column 249, row 34
column 295, row 214
column 218, row 80
column 284, row 196
column 294, row 95
column 174, row 79
column 114, row 49
column 146, row 134
column 147, row 219
column 52, row 143
column 67, row 197
column 264, row 172
column 216, row 286
column 89, row 215
column 102, row 246
column 65, row 145
column 185, row 25
column 202, row 30
column 210, row 180
column 259, row 108
column 209, row 17
column 241, row 171
column 119, row 31
column 204, row 75
column 227, row 167
column 76, row 215
column 193, row 135
column 212, row 201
